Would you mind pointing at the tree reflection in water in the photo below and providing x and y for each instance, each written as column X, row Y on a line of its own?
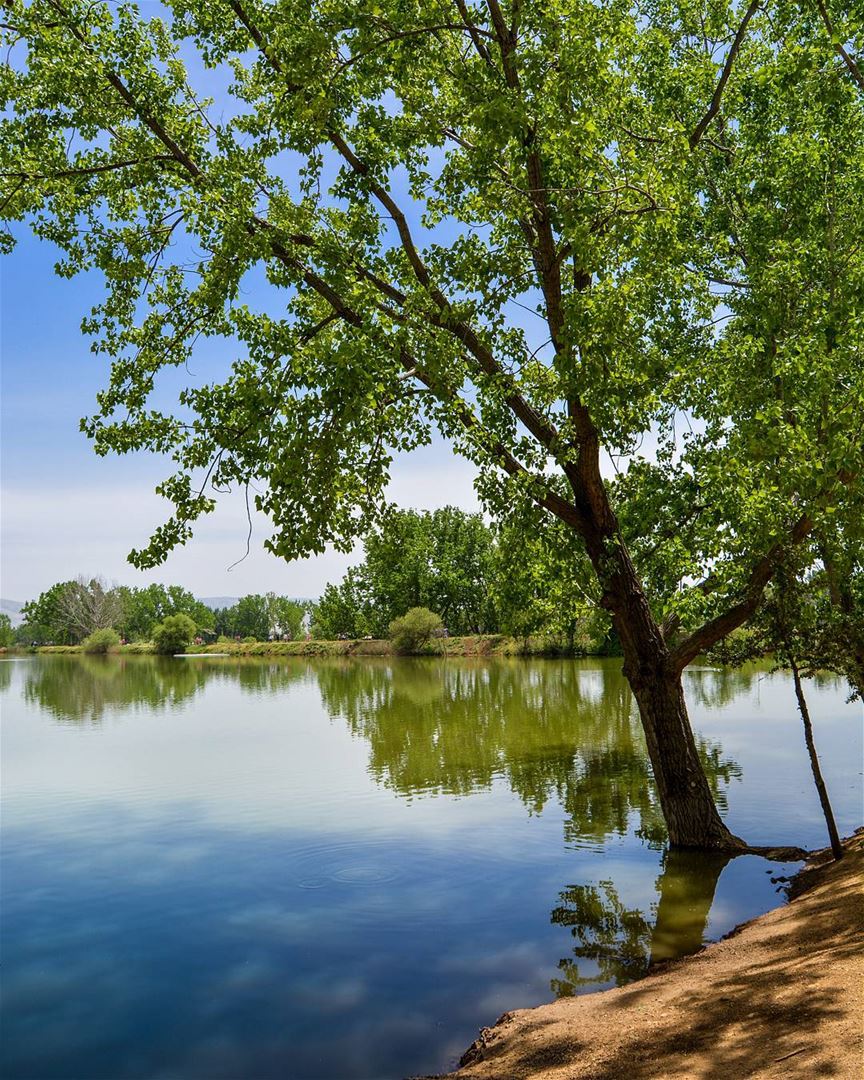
column 82, row 689
column 554, row 731
column 566, row 731
column 623, row 943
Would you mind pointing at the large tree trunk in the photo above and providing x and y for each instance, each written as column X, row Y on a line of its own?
column 691, row 815
column 685, row 797
column 682, row 786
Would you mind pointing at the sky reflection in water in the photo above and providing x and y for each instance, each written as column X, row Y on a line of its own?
column 342, row 870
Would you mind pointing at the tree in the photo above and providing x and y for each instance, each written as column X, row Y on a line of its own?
column 286, row 616
column 261, row 617
column 441, row 559
column 70, row 610
column 790, row 627
column 836, row 627
column 412, row 631
column 343, row 610
column 143, row 607
column 173, row 635
column 7, row 634
column 43, row 619
column 674, row 190
column 86, row 606
column 542, row 583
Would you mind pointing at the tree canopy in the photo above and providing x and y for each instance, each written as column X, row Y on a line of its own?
column 261, row 616
column 675, row 192
column 613, row 252
column 441, row 560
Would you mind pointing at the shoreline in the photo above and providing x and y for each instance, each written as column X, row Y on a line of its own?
column 779, row 996
column 477, row 645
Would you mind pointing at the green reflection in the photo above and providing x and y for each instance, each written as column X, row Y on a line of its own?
column 563, row 730
column 560, row 732
column 81, row 689
column 623, row 943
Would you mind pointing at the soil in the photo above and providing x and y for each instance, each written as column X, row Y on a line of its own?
column 782, row 996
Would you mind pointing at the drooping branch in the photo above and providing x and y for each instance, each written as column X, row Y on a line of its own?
column 734, row 49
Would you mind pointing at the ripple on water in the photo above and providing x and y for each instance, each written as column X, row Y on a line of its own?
column 359, row 864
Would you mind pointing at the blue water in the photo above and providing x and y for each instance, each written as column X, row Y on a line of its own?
column 328, row 870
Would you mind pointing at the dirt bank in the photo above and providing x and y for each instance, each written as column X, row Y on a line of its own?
column 781, row 997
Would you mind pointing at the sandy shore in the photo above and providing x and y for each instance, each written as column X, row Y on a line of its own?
column 781, row 997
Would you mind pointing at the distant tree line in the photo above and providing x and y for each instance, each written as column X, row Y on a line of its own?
column 479, row 580
column 71, row 611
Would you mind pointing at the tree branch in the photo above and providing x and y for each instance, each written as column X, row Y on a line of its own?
column 734, row 49
column 539, row 426
column 91, row 170
column 847, row 58
column 712, row 631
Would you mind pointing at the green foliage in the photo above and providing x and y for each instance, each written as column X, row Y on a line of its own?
column 675, row 190
column 344, row 610
column 411, row 632
column 101, row 641
column 7, row 634
column 70, row 610
column 44, row 620
column 648, row 207
column 441, row 560
column 173, row 635
column 261, row 617
column 542, row 583
column 143, row 607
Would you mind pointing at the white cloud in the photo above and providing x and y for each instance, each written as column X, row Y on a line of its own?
column 52, row 534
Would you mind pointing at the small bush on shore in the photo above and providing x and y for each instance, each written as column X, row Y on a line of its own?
column 413, row 630
column 101, row 641
column 173, row 635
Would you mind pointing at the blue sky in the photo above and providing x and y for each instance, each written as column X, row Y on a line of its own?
column 66, row 511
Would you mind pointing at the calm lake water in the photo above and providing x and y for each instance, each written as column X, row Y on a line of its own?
column 342, row 869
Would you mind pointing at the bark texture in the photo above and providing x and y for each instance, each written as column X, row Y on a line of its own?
column 686, row 800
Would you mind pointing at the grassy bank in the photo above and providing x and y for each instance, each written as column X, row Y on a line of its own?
column 478, row 645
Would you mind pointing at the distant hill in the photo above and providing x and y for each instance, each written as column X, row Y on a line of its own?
column 12, row 608
column 214, row 602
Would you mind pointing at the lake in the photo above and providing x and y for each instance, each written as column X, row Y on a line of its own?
column 342, row 869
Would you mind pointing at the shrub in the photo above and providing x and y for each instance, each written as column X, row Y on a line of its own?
column 101, row 641
column 414, row 629
column 174, row 634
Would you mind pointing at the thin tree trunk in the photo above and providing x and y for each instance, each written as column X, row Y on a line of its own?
column 836, row 846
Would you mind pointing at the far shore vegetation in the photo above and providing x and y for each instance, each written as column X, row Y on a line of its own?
column 439, row 582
